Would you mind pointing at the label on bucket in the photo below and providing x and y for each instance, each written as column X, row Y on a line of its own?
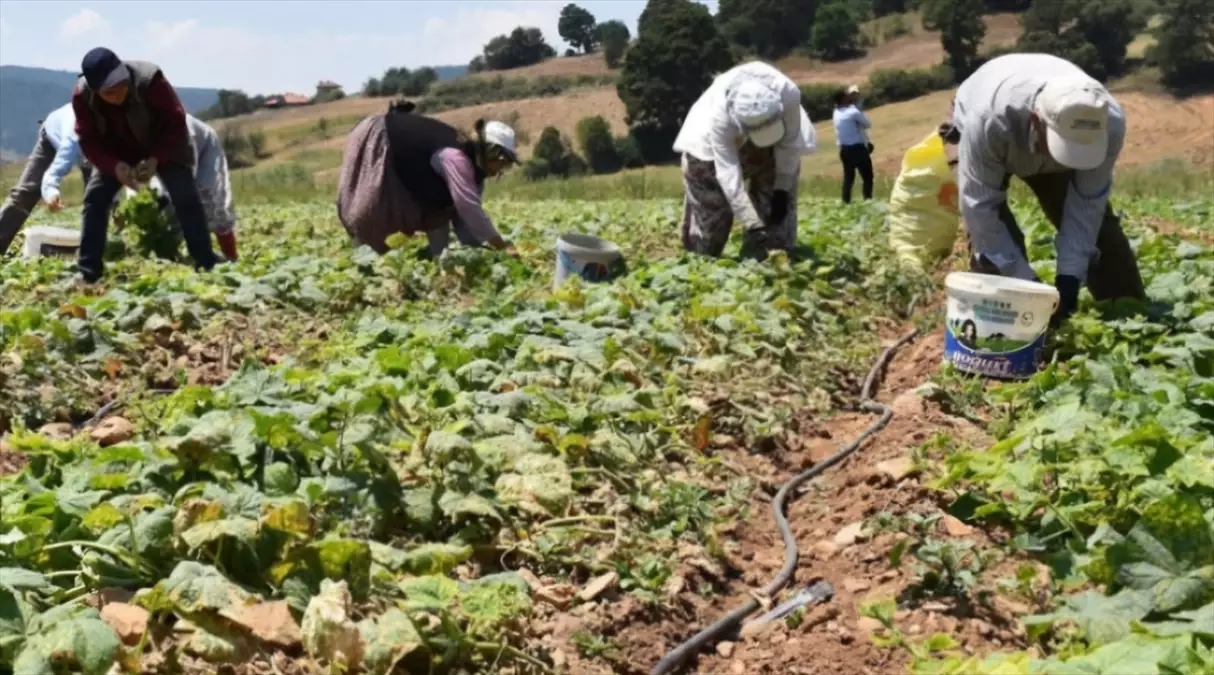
column 592, row 271
column 1017, row 363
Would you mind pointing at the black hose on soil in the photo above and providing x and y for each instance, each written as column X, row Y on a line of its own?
column 675, row 657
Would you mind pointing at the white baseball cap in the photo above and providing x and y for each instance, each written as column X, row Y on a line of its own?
column 1076, row 114
column 501, row 135
column 854, row 89
column 759, row 111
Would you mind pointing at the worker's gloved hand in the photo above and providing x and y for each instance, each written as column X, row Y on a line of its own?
column 779, row 208
column 870, row 147
column 1068, row 299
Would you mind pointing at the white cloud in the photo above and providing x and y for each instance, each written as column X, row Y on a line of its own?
column 3, row 28
column 170, row 35
column 82, row 23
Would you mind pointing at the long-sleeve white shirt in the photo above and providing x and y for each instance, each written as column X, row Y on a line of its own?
column 850, row 124
column 711, row 135
column 60, row 130
column 993, row 108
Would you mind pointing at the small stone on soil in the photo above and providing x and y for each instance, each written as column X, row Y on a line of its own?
column 896, row 469
column 598, row 586
column 130, row 622
column 112, row 431
column 850, row 535
column 956, row 528
column 845, row 636
column 59, row 431
column 868, row 625
column 888, row 575
column 936, row 607
column 914, row 629
column 825, row 549
column 856, row 585
column 725, row 649
column 271, row 622
column 738, row 668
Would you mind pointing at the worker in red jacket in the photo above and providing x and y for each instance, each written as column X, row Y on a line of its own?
column 131, row 127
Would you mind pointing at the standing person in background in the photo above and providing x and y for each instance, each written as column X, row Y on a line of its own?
column 1043, row 119
column 749, row 124
column 54, row 155
column 407, row 173
column 131, row 127
column 214, row 185
column 851, row 133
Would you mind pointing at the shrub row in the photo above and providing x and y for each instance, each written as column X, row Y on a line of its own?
column 469, row 91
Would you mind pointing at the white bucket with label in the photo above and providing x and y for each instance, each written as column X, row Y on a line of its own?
column 43, row 240
column 591, row 258
column 996, row 325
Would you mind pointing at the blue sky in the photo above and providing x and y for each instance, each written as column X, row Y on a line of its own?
column 283, row 45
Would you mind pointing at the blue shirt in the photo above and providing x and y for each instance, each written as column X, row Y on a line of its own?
column 60, row 130
column 850, row 124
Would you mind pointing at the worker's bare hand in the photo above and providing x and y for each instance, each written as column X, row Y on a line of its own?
column 146, row 170
column 126, row 175
column 54, row 204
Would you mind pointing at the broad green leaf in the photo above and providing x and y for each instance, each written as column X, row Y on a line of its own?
column 473, row 506
column 17, row 579
column 389, row 638
column 435, row 558
column 346, row 560
column 240, row 529
column 429, row 593
column 194, row 587
column 84, row 641
column 541, row 484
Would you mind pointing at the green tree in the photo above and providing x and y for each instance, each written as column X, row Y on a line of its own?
column 522, row 47
column 1185, row 41
column 257, row 144
column 578, row 27
column 961, row 31
column 614, row 37
column 769, row 29
column 677, row 53
column 836, row 33
column 553, row 156
column 597, row 145
column 1092, row 34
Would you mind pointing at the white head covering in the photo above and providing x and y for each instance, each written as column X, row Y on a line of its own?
column 758, row 110
column 501, row 135
column 1076, row 114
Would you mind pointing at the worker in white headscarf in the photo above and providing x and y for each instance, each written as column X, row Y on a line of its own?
column 748, row 126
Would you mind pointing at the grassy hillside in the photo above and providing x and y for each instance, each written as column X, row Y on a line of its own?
column 29, row 94
column 300, row 135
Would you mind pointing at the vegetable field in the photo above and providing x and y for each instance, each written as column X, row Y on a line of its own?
column 319, row 460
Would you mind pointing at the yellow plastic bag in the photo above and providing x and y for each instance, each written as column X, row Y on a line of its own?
column 923, row 211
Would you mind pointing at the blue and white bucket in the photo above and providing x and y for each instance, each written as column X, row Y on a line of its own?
column 996, row 325
column 593, row 259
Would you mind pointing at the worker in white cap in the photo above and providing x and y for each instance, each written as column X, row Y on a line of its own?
column 851, row 135
column 1043, row 119
column 748, row 125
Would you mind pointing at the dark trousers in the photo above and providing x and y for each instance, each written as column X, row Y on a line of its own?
column 1114, row 273
column 26, row 194
column 99, row 194
column 856, row 158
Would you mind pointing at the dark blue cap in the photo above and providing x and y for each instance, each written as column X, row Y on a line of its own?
column 98, row 66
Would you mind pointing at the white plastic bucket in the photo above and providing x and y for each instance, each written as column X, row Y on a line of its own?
column 43, row 240
column 591, row 258
column 996, row 325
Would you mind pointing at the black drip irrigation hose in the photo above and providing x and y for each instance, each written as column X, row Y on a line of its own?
column 677, row 656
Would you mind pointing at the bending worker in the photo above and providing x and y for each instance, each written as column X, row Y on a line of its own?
column 408, row 173
column 55, row 153
column 213, row 182
column 1041, row 118
column 748, row 125
column 132, row 127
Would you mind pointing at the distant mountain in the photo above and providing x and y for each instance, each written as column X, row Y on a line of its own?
column 450, row 72
column 29, row 94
